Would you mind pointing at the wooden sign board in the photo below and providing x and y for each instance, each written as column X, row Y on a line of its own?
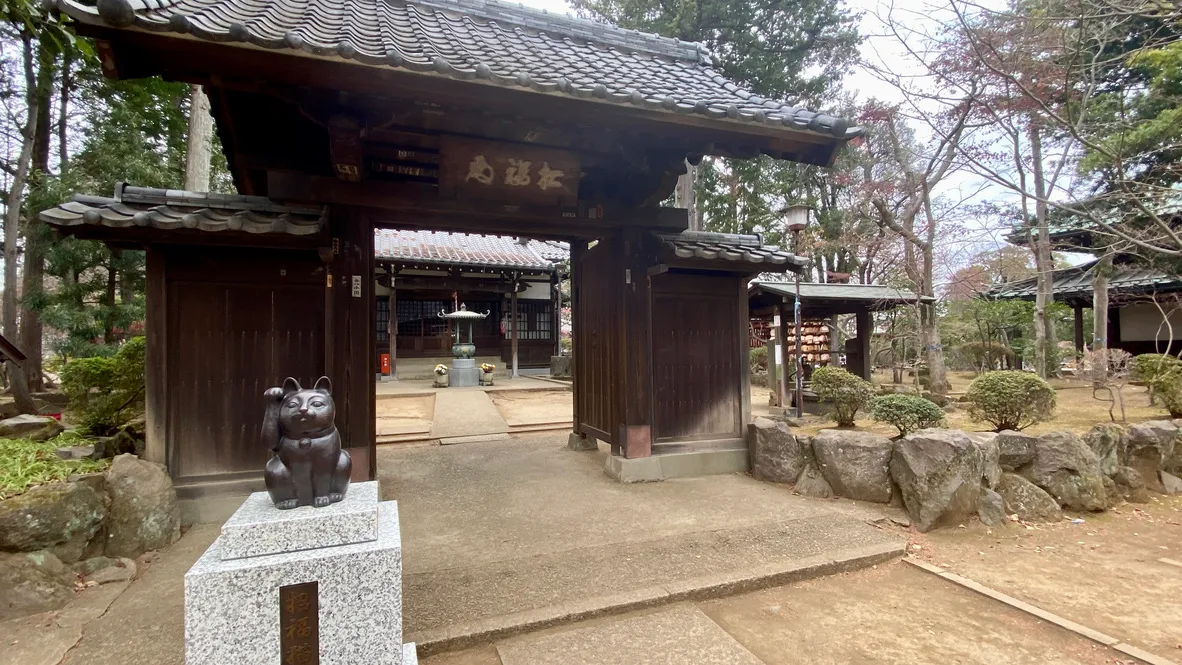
column 299, row 624
column 495, row 171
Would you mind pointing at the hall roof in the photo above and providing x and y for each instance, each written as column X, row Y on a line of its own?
column 836, row 298
column 468, row 249
column 1074, row 284
column 177, row 210
column 475, row 40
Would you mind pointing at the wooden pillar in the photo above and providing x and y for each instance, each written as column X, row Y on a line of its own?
column 783, row 390
column 513, row 324
column 864, row 322
column 155, row 361
column 349, row 336
column 577, row 248
column 1079, row 333
column 392, row 323
column 744, row 358
column 556, row 314
column 635, row 432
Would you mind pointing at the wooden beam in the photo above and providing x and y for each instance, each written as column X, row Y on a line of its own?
column 636, row 340
column 577, row 249
column 392, row 322
column 346, row 148
column 1079, row 329
column 864, row 323
column 414, row 205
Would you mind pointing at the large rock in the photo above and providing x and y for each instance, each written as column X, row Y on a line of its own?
column 1026, row 500
column 1015, row 449
column 29, row 585
column 1130, row 485
column 992, row 510
column 777, row 455
column 812, row 483
column 990, row 456
column 1068, row 470
column 28, row 426
column 939, row 474
column 856, row 464
column 1171, row 484
column 60, row 517
column 144, row 514
column 1150, row 447
column 1107, row 440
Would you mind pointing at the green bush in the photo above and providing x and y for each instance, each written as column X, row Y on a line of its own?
column 1154, row 367
column 1168, row 388
column 906, row 412
column 758, row 359
column 1010, row 399
column 847, row 392
column 106, row 392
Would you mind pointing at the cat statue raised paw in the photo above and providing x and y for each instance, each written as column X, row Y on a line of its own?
column 307, row 467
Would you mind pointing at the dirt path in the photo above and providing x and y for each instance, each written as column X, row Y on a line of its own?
column 1105, row 573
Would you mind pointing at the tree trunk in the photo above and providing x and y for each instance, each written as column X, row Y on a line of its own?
column 109, row 298
column 200, row 137
column 63, row 117
column 1100, row 302
column 20, row 388
column 12, row 215
column 33, row 275
column 1044, row 327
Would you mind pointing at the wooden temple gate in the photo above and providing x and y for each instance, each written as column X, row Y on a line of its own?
column 456, row 115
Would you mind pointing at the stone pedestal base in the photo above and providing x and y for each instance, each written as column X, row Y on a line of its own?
column 676, row 465
column 578, row 441
column 464, row 373
column 352, row 551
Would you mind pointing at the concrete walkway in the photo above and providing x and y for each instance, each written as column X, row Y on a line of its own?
column 465, row 413
column 414, row 412
column 508, row 536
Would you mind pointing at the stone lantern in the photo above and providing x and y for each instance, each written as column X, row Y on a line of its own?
column 464, row 372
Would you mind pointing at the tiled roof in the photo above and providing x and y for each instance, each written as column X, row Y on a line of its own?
column 461, row 249
column 481, row 40
column 551, row 250
column 725, row 247
column 873, row 293
column 1075, row 283
column 177, row 209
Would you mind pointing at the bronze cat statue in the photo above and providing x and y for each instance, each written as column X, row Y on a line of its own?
column 307, row 467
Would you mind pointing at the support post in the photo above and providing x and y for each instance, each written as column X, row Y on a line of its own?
column 155, row 361
column 392, row 323
column 782, row 390
column 578, row 439
column 865, row 326
column 513, row 317
column 637, row 393
column 349, row 336
column 1079, row 330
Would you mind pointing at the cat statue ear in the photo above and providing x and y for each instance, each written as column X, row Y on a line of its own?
column 324, row 385
column 290, row 385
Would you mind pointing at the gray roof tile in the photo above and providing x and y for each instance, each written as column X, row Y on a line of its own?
column 812, row 291
column 503, row 43
column 725, row 247
column 1075, row 283
column 175, row 209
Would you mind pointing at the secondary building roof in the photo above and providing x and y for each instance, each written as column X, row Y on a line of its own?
column 726, row 247
column 1074, row 285
column 476, row 40
column 825, row 298
column 177, row 210
column 464, row 249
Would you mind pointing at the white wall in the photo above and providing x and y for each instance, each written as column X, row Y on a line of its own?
column 1143, row 322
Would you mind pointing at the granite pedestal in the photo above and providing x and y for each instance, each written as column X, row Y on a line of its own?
column 464, row 373
column 352, row 550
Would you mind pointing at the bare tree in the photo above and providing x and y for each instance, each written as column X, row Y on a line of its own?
column 1109, row 370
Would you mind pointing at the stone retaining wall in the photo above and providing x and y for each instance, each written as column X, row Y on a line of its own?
column 945, row 477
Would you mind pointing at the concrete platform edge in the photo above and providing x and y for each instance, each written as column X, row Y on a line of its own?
column 475, row 633
column 676, row 465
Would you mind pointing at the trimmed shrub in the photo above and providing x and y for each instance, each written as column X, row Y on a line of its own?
column 906, row 412
column 1010, row 399
column 848, row 393
column 758, row 359
column 106, row 392
column 1168, row 389
column 1152, row 368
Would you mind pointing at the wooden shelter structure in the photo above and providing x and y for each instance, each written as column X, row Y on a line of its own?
column 421, row 272
column 456, row 115
column 819, row 304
